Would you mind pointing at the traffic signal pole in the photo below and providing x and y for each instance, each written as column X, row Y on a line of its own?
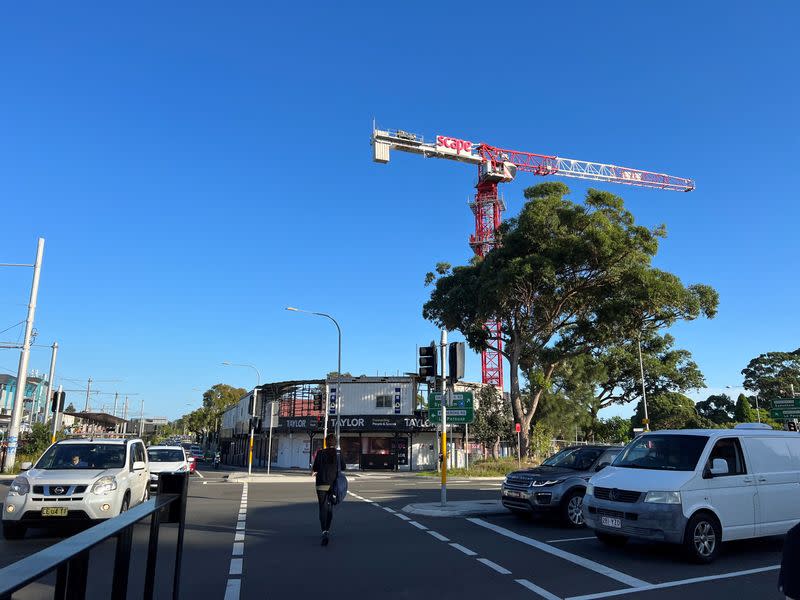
column 57, row 406
column 444, row 420
column 51, row 376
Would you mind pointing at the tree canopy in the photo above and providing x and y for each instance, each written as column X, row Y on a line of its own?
column 744, row 413
column 773, row 374
column 565, row 280
column 669, row 410
column 717, row 408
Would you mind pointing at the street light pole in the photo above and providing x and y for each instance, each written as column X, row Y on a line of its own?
column 252, row 416
column 338, row 381
column 644, row 392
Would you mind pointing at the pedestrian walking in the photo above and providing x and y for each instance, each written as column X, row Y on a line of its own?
column 789, row 578
column 327, row 465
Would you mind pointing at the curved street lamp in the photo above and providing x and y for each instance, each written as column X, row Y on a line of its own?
column 252, row 428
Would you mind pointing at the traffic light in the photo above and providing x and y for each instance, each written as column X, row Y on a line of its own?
column 791, row 425
column 427, row 361
column 57, row 401
column 255, row 424
column 455, row 359
column 254, row 397
column 317, row 402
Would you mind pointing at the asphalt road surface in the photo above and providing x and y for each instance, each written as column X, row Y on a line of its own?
column 261, row 540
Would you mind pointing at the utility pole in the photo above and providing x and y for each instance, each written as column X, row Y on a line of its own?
column 114, row 414
column 644, row 392
column 141, row 419
column 88, row 389
column 22, row 373
column 51, row 376
column 125, row 416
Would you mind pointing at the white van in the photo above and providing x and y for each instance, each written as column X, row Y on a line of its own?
column 698, row 488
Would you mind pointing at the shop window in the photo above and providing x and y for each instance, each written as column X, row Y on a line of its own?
column 383, row 401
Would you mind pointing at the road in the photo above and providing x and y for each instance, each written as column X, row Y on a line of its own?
column 376, row 550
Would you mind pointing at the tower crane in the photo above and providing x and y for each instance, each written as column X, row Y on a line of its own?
column 500, row 165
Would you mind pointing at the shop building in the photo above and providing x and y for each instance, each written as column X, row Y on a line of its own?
column 382, row 420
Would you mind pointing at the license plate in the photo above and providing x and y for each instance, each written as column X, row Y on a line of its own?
column 513, row 494
column 55, row 511
column 611, row 522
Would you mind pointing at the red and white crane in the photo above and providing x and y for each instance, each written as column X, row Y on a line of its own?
column 500, row 165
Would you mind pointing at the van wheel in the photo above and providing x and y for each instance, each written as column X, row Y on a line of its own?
column 572, row 509
column 609, row 539
column 702, row 538
column 13, row 531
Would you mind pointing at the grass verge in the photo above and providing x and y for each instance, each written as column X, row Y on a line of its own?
column 483, row 468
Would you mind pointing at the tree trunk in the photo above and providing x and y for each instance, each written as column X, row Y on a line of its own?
column 516, row 401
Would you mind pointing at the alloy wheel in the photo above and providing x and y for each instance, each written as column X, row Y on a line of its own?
column 575, row 510
column 705, row 539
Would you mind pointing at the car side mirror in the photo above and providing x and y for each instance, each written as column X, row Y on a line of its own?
column 719, row 467
column 25, row 466
column 601, row 466
column 139, row 465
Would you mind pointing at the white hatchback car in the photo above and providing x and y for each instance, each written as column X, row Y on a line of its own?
column 77, row 480
column 165, row 459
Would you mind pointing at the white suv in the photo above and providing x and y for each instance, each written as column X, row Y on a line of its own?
column 165, row 459
column 77, row 480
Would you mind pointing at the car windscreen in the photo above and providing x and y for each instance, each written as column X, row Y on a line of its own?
column 83, row 456
column 579, row 459
column 165, row 455
column 663, row 452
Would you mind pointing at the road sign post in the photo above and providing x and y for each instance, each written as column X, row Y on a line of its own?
column 460, row 411
column 519, row 452
column 785, row 408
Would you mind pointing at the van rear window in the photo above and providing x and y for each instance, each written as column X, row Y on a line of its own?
column 663, row 452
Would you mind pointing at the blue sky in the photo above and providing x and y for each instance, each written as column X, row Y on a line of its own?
column 195, row 168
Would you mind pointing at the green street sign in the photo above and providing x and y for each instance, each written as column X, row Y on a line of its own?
column 459, row 412
column 784, row 413
column 779, row 403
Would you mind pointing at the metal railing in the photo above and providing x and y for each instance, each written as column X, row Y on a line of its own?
column 70, row 557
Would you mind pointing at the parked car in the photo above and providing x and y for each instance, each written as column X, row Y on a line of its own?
column 698, row 488
column 558, row 484
column 77, row 480
column 165, row 459
column 192, row 464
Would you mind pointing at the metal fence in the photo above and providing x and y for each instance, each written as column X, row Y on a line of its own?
column 70, row 557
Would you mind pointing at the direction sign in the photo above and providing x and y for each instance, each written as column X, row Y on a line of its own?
column 785, row 413
column 786, row 403
column 459, row 412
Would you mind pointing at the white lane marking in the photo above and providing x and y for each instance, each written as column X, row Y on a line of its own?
column 238, row 548
column 239, row 537
column 439, row 536
column 205, row 483
column 535, row 588
column 669, row 584
column 399, row 516
column 240, row 526
column 573, row 558
column 199, row 474
column 495, row 566
column 389, row 510
column 591, row 537
column 461, row 548
column 233, row 589
column 243, row 516
column 236, row 566
column 418, row 525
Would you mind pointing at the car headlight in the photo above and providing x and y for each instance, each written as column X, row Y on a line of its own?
column 544, row 482
column 104, row 485
column 182, row 468
column 663, row 497
column 590, row 489
column 20, row 486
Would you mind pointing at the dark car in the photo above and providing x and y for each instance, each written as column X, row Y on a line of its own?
column 558, row 484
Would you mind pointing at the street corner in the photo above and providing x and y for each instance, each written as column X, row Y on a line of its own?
column 466, row 508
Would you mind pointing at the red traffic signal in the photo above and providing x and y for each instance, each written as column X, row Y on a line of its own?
column 517, row 427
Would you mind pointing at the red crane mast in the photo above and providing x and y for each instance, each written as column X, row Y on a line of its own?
column 500, row 165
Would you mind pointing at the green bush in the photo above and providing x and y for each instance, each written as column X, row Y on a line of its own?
column 499, row 467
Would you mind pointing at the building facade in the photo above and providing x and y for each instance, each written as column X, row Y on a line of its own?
column 35, row 405
column 382, row 420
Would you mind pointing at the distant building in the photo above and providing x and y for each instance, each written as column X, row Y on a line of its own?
column 147, row 426
column 35, row 405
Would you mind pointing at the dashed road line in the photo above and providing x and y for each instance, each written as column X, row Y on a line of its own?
column 573, row 558
column 233, row 587
column 439, row 536
column 536, row 589
column 463, row 549
column 418, row 525
column 495, row 566
column 669, row 584
column 389, row 510
column 199, row 474
column 399, row 516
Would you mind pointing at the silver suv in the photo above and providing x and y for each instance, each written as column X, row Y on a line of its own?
column 558, row 484
column 77, row 480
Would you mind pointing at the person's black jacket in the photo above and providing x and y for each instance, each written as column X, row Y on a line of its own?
column 325, row 466
column 789, row 578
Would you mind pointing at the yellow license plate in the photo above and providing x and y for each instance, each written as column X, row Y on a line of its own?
column 55, row 511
